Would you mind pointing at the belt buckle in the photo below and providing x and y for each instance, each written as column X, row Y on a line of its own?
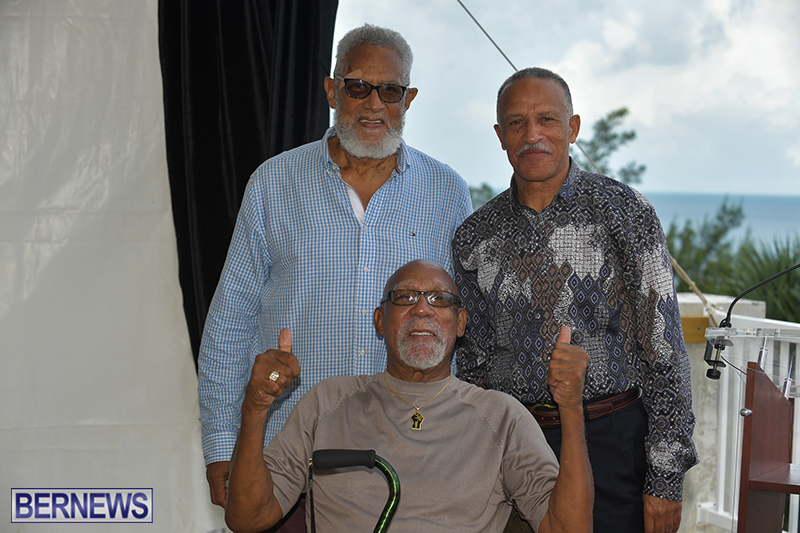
column 545, row 414
column 548, row 407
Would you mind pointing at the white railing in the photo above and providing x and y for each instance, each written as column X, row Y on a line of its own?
column 777, row 358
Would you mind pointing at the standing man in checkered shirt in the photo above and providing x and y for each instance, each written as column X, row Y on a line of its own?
column 319, row 230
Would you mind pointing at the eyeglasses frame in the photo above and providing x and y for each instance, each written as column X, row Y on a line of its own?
column 371, row 88
column 456, row 298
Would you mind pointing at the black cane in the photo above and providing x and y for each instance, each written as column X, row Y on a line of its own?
column 329, row 459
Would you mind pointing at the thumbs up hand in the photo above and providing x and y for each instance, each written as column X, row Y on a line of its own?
column 567, row 371
column 272, row 373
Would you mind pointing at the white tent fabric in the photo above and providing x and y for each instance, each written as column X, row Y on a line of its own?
column 97, row 384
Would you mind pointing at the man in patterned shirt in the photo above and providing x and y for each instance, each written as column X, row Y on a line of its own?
column 319, row 230
column 565, row 247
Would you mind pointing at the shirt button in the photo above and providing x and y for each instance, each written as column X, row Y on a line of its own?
column 366, row 269
column 362, row 352
column 364, row 311
column 538, row 316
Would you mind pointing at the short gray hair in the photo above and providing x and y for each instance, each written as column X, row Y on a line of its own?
column 537, row 73
column 375, row 36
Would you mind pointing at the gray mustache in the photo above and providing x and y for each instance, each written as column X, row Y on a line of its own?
column 535, row 146
column 422, row 323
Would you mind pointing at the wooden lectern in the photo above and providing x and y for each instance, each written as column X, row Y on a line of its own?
column 767, row 470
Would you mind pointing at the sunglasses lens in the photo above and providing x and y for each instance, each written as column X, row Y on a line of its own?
column 357, row 89
column 390, row 93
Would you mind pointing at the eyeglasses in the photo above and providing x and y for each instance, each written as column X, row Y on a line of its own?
column 410, row 297
column 389, row 93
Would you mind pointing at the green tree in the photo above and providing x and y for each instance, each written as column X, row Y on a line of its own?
column 706, row 253
column 605, row 141
column 480, row 195
column 711, row 259
column 755, row 262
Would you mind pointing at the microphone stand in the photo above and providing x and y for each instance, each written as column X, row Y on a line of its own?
column 714, row 359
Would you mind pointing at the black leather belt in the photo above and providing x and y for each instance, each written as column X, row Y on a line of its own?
column 547, row 415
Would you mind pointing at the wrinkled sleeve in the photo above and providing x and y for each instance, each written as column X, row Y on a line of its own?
column 530, row 468
column 231, row 330
column 457, row 214
column 666, row 379
column 474, row 348
column 462, row 212
column 287, row 453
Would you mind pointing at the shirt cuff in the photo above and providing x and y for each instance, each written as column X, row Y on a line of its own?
column 664, row 484
column 218, row 447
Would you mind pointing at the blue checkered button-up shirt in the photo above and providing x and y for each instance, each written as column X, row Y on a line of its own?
column 300, row 259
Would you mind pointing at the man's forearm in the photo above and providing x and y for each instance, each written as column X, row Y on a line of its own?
column 572, row 500
column 251, row 503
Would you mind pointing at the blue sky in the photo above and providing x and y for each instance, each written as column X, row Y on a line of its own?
column 713, row 86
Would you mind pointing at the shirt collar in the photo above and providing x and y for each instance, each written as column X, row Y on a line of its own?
column 566, row 193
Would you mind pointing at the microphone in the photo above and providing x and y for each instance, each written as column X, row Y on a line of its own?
column 719, row 345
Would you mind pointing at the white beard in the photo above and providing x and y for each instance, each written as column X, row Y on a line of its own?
column 413, row 356
column 348, row 138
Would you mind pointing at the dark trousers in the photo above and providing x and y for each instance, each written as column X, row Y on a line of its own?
column 616, row 451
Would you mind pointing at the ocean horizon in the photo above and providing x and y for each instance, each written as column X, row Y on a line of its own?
column 766, row 217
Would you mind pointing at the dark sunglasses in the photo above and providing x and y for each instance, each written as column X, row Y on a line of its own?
column 390, row 93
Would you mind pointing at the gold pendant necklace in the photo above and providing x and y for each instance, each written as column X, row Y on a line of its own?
column 417, row 419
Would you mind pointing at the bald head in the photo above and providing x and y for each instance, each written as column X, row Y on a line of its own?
column 420, row 337
column 417, row 269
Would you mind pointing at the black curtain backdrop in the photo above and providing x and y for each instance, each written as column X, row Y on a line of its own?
column 242, row 82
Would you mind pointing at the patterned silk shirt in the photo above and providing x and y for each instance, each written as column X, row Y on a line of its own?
column 596, row 260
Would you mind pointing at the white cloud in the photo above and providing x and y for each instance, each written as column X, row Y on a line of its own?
column 793, row 153
column 623, row 31
column 701, row 80
column 751, row 63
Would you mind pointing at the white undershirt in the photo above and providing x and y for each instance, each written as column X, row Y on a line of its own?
column 355, row 201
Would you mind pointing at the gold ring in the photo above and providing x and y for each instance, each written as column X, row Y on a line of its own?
column 274, row 375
